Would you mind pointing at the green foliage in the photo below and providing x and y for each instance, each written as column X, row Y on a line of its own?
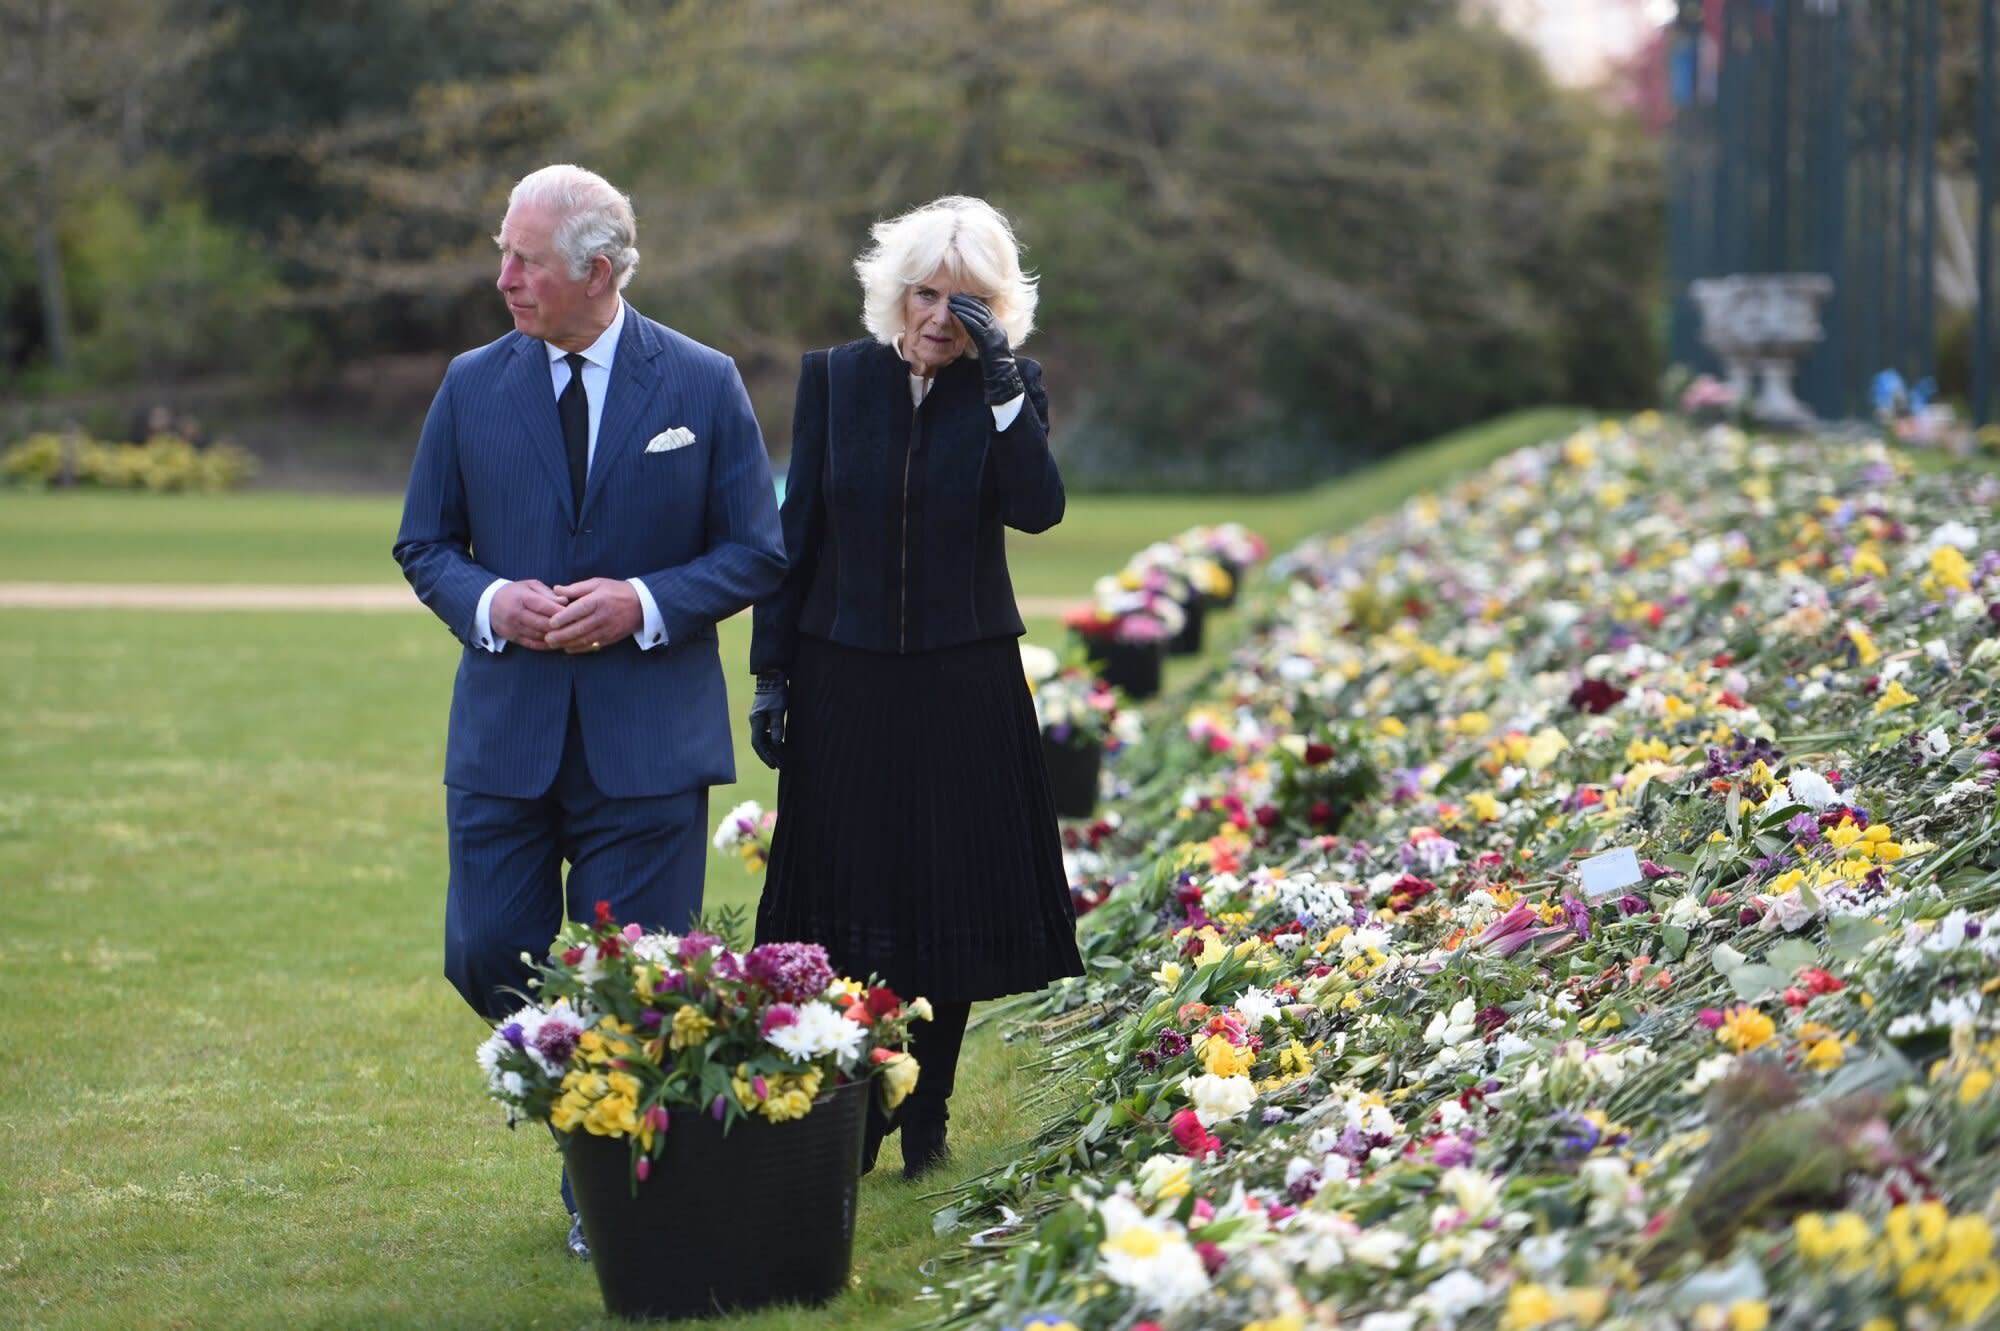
column 166, row 462
column 172, row 294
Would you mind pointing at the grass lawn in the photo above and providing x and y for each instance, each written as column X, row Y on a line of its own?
column 238, row 1090
column 263, row 537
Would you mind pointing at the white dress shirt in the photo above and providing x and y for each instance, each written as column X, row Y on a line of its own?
column 597, row 358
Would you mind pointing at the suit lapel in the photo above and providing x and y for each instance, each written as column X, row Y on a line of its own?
column 532, row 391
column 635, row 375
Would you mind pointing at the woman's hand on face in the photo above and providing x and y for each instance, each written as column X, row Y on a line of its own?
column 996, row 358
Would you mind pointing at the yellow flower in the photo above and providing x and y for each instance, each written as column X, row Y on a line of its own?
column 1749, row 1315
column 1745, row 1028
column 1284, row 1322
column 1951, row 569
column 1390, row 726
column 1864, row 645
column 1647, row 750
column 1168, row 975
column 1484, row 807
column 1138, row 1241
column 1474, row 723
column 1826, row 1054
column 1893, row 697
column 1843, row 835
column 1529, row 1305
column 899, row 1078
column 1295, row 1059
column 1224, row 1059
column 1867, row 563
column 691, row 1027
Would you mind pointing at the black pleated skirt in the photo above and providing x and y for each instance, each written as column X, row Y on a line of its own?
column 916, row 835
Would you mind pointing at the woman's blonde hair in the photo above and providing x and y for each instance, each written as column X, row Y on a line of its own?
column 966, row 237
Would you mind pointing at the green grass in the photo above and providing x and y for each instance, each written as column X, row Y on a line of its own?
column 238, row 1090
column 266, row 537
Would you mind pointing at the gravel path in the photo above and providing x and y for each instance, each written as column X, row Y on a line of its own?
column 367, row 597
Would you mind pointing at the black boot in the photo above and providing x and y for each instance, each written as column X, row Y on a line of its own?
column 934, row 1044
column 880, row 1125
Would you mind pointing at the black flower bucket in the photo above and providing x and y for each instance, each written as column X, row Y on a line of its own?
column 1188, row 641
column 1073, row 776
column 1131, row 666
column 723, row 1223
column 1228, row 598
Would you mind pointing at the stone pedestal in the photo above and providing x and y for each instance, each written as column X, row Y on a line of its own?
column 1759, row 325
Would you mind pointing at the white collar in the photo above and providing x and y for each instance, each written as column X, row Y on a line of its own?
column 920, row 387
column 605, row 349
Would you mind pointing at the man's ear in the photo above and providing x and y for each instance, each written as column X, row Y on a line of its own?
column 599, row 280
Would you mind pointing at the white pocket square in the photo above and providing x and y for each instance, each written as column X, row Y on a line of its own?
column 668, row 440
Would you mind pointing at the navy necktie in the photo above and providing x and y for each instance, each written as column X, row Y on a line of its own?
column 574, row 409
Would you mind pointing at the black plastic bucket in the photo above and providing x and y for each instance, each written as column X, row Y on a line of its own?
column 1072, row 776
column 763, row 1215
column 1131, row 666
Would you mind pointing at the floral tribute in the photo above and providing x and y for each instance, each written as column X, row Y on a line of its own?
column 745, row 832
column 631, row 1028
column 1075, row 708
column 1362, row 1040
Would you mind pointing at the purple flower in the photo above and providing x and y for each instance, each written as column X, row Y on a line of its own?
column 1579, row 916
column 1633, row 904
column 1805, row 827
column 776, row 1016
column 1651, row 871
column 511, row 1033
column 1172, row 1043
column 556, row 1041
column 793, row 972
column 1449, row 1151
column 696, row 945
column 717, row 1109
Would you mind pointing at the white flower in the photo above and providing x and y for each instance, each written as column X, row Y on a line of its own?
column 819, row 1031
column 1389, row 1322
column 1707, row 1072
column 1039, row 663
column 1219, row 1099
column 1475, row 1193
column 1455, row 1027
column 1687, row 912
column 738, row 825
column 1543, row 1253
column 1377, row 1247
column 1454, row 1294
column 1809, row 788
column 1953, row 532
column 1943, row 1014
column 1788, row 911
column 1152, row 1259
column 1257, row 1007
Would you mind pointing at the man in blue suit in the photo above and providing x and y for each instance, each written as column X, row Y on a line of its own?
column 590, row 496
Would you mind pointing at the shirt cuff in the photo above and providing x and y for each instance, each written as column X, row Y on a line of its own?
column 652, row 633
column 1004, row 414
column 482, row 619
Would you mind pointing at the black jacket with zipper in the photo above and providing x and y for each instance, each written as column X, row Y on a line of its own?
column 893, row 514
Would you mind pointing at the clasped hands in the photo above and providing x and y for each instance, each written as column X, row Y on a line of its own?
column 577, row 617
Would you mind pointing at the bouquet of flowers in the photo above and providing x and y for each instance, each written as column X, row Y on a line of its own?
column 630, row 1028
column 1075, row 708
column 1230, row 542
column 745, row 831
column 1138, row 617
column 1204, row 574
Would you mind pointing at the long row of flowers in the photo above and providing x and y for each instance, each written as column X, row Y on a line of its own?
column 1383, row 1028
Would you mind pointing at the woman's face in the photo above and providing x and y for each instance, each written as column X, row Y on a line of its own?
column 932, row 337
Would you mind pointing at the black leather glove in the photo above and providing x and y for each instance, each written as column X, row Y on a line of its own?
column 996, row 358
column 767, row 718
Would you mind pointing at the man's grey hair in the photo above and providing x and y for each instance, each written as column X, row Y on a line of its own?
column 970, row 240
column 592, row 218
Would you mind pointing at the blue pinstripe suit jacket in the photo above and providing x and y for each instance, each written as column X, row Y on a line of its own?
column 489, row 497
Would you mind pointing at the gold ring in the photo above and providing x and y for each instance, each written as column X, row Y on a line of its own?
column 596, row 646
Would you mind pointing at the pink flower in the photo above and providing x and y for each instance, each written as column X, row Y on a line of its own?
column 644, row 1168
column 1710, row 1017
column 777, row 1017
column 659, row 1118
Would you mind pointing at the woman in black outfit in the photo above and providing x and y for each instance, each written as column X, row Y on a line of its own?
column 916, row 835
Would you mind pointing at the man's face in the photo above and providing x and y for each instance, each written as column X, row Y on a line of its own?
column 544, row 299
